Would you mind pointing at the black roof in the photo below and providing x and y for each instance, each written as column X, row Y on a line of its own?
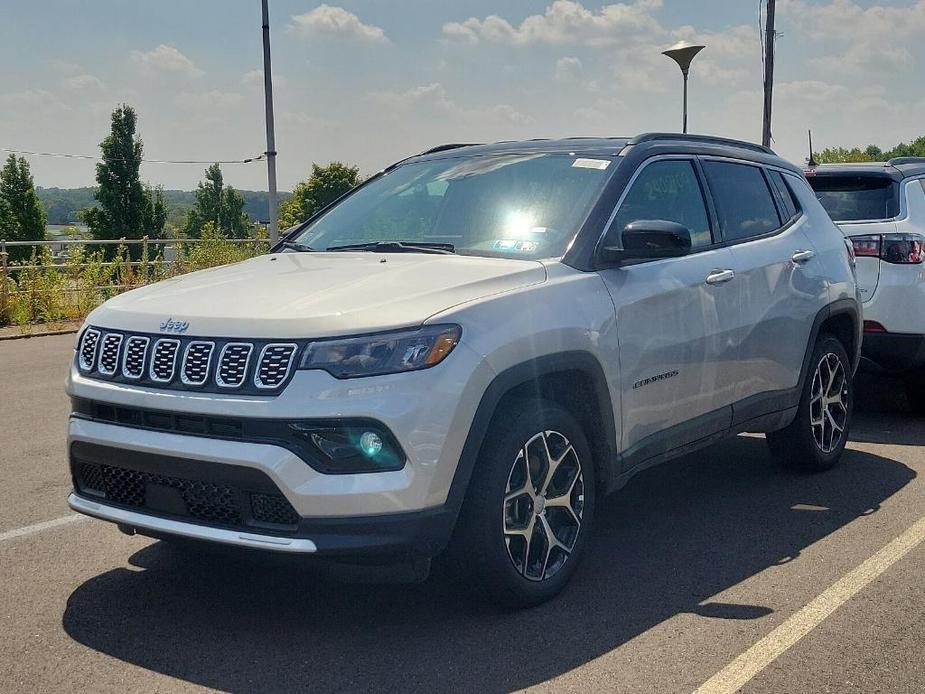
column 897, row 169
column 614, row 146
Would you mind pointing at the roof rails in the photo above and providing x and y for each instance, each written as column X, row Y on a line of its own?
column 706, row 139
column 896, row 161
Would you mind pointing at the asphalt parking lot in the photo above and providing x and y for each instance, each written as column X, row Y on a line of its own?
column 717, row 568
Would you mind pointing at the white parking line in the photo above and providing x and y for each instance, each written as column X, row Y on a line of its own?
column 735, row 675
column 39, row 527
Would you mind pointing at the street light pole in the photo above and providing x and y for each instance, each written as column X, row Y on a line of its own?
column 683, row 53
column 271, row 135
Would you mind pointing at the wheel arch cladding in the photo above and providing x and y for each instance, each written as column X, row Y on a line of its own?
column 575, row 380
column 842, row 320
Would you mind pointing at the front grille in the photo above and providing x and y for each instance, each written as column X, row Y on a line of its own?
column 232, row 367
column 273, row 365
column 196, row 361
column 216, row 365
column 87, row 352
column 164, row 360
column 211, row 502
column 109, row 354
column 133, row 358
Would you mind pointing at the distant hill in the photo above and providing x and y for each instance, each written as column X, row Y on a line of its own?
column 63, row 204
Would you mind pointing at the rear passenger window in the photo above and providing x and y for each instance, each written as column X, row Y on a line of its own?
column 784, row 195
column 744, row 202
column 668, row 190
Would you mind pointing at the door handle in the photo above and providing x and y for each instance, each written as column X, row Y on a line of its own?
column 720, row 276
column 802, row 256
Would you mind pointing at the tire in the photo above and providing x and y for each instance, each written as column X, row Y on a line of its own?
column 500, row 548
column 814, row 441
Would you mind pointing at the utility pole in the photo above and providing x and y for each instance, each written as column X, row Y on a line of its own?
column 271, row 136
column 769, row 37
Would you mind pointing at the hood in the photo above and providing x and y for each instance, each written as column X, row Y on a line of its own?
column 297, row 295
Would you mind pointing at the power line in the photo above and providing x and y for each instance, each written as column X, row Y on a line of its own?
column 63, row 155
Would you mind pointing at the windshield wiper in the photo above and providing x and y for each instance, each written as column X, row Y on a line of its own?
column 296, row 246
column 398, row 247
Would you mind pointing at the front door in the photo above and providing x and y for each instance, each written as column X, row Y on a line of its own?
column 674, row 319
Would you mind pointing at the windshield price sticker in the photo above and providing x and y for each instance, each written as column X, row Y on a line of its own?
column 599, row 164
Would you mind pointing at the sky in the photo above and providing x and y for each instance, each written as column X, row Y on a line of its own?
column 368, row 82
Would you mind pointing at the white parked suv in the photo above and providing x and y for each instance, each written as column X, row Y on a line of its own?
column 462, row 356
column 881, row 208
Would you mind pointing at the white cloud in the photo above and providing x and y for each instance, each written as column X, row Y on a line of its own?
column 166, row 59
column 33, row 102
column 564, row 21
column 434, row 96
column 83, row 82
column 567, row 68
column 861, row 38
column 336, row 22
column 210, row 100
column 66, row 66
column 254, row 78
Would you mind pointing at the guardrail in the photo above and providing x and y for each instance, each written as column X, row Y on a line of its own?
column 140, row 272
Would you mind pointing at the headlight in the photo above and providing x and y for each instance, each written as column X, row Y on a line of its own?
column 384, row 353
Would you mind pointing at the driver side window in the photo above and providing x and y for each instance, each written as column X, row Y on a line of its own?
column 668, row 190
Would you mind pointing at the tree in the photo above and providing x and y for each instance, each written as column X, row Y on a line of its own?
column 121, row 198
column 324, row 186
column 155, row 213
column 219, row 204
column 22, row 217
column 837, row 155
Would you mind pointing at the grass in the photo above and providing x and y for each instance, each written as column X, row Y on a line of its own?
column 41, row 290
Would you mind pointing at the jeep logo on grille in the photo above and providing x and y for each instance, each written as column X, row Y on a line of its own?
column 174, row 326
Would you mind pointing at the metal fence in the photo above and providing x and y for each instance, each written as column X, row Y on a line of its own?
column 168, row 258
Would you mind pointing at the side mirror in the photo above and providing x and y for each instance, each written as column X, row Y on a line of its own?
column 650, row 238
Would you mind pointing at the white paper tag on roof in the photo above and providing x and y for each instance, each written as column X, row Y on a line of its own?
column 599, row 164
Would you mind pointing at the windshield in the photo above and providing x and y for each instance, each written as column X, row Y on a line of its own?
column 854, row 198
column 511, row 205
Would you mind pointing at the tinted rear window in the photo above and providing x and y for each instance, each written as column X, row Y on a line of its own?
column 784, row 195
column 744, row 202
column 852, row 198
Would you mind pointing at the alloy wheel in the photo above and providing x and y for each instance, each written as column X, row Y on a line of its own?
column 828, row 407
column 543, row 505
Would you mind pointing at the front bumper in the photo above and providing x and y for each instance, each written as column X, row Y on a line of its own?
column 894, row 352
column 423, row 533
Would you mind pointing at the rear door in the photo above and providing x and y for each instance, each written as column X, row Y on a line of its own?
column 780, row 283
column 674, row 318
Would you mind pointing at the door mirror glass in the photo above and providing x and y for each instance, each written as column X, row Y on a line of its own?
column 650, row 238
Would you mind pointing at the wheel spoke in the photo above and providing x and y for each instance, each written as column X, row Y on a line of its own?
column 543, row 497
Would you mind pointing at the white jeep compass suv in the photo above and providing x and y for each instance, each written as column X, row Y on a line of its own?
column 462, row 356
column 881, row 208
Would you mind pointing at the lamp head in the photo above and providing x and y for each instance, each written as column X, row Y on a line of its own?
column 683, row 53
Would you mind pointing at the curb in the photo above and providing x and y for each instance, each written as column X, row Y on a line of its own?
column 47, row 333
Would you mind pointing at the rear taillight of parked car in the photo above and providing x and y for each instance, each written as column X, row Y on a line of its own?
column 900, row 249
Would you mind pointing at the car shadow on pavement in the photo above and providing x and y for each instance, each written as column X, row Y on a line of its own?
column 677, row 535
column 885, row 416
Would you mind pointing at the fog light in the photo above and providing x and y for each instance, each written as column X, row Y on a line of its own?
column 349, row 447
column 371, row 443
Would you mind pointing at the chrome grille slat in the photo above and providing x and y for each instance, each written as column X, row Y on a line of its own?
column 133, row 356
column 196, row 362
column 232, row 364
column 274, row 364
column 87, row 354
column 214, row 365
column 164, row 360
column 108, row 360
